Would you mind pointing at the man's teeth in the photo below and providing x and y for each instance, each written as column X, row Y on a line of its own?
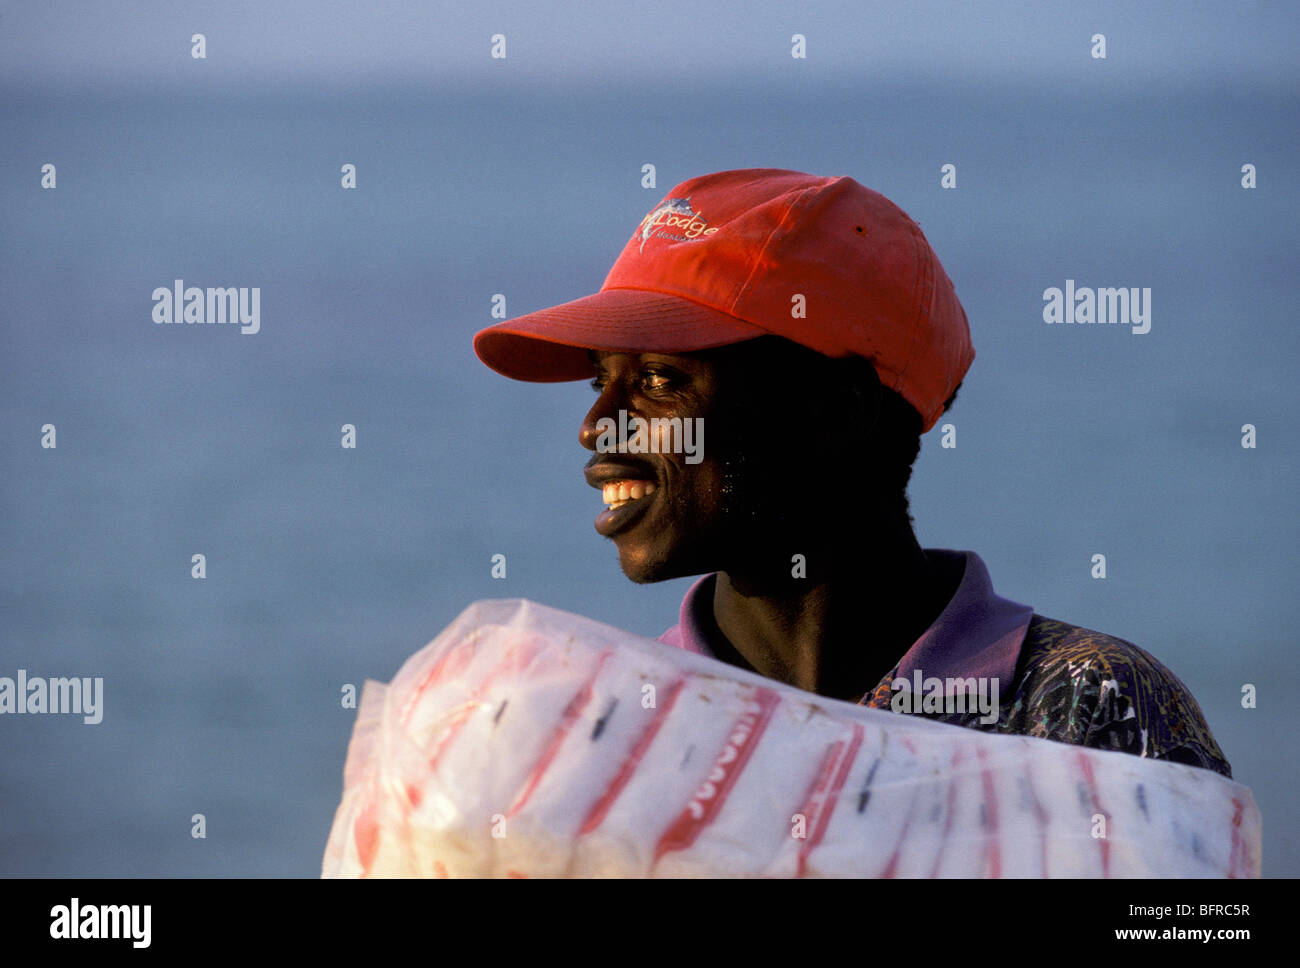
column 617, row 493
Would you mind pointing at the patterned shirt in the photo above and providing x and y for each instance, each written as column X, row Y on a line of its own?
column 1068, row 684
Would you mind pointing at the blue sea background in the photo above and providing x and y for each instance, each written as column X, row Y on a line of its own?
column 328, row 566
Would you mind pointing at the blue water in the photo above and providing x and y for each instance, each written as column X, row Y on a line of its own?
column 328, row 566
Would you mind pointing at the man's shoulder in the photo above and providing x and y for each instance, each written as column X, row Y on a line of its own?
column 1104, row 691
column 1049, row 642
column 1054, row 649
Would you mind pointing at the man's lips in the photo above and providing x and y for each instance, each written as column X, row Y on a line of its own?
column 626, row 488
column 602, row 472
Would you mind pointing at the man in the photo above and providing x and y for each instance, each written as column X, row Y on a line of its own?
column 806, row 323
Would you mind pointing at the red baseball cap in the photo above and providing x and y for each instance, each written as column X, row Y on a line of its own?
column 728, row 257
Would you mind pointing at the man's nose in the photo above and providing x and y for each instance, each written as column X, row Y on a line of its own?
column 606, row 405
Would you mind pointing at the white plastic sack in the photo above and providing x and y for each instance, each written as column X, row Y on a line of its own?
column 528, row 742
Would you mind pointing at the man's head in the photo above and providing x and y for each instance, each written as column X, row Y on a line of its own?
column 802, row 451
column 804, row 320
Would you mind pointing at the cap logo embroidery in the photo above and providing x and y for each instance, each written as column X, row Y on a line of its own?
column 673, row 213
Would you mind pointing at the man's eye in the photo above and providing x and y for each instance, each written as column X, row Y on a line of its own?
column 656, row 381
column 650, row 380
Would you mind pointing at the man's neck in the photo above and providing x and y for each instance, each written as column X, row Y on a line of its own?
column 839, row 631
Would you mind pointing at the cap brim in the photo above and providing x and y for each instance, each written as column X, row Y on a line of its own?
column 551, row 345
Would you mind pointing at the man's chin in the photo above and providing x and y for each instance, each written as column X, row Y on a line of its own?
column 646, row 570
column 643, row 574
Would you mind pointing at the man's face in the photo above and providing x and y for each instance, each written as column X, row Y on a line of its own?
column 693, row 517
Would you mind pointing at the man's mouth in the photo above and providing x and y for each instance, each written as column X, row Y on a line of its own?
column 626, row 501
column 628, row 488
column 615, row 494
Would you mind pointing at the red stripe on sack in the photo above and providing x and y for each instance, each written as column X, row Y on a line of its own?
column 831, row 797
column 365, row 832
column 891, row 869
column 993, row 852
column 947, row 820
column 1236, row 859
column 704, row 805
column 513, row 661
column 1097, row 807
column 452, row 662
column 571, row 714
column 601, row 807
column 811, row 806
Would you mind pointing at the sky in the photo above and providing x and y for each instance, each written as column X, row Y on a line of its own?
column 339, row 43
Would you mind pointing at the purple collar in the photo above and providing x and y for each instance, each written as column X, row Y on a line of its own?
column 978, row 633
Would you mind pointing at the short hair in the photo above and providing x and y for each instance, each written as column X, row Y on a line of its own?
column 898, row 440
column 889, row 447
